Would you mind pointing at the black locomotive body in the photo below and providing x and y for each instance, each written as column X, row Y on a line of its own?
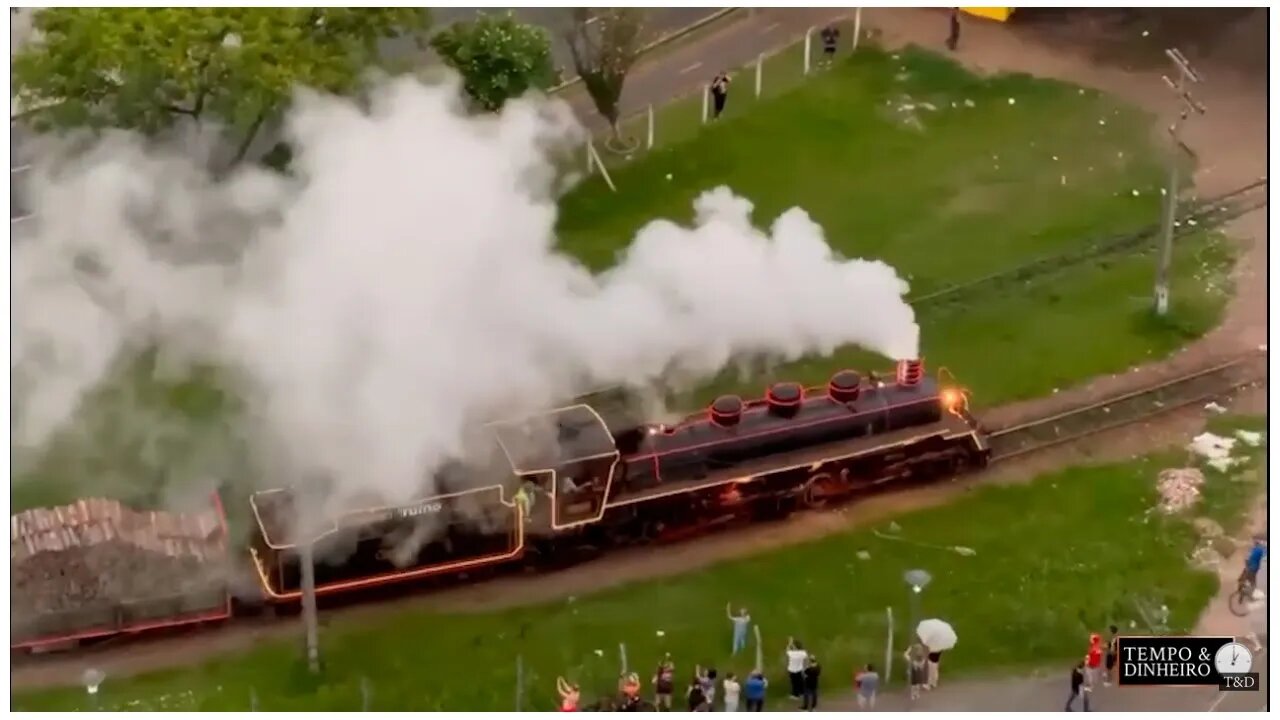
column 568, row 481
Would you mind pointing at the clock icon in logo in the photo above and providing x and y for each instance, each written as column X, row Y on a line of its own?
column 1233, row 659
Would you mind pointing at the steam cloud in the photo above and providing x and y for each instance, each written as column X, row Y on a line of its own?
column 403, row 285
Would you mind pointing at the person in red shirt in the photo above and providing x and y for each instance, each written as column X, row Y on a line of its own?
column 1093, row 662
column 569, row 695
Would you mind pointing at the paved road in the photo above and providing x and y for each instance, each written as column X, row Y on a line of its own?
column 658, row 22
column 683, row 70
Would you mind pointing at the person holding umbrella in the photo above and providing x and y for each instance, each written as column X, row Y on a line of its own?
column 937, row 637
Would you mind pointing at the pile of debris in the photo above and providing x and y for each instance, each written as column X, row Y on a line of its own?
column 1179, row 489
column 97, row 551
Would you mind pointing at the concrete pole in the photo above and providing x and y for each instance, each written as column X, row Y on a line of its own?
column 857, row 26
column 706, row 98
column 1185, row 74
column 306, row 556
column 649, row 138
column 759, row 75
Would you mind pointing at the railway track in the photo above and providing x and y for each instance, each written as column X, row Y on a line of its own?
column 1199, row 386
column 1200, row 216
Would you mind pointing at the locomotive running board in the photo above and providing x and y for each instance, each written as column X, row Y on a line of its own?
column 813, row 464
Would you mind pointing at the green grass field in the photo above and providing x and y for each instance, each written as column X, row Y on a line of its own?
column 1054, row 559
column 1001, row 171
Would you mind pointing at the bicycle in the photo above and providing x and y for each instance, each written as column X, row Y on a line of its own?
column 1240, row 602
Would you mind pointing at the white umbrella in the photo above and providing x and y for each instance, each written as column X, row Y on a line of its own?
column 937, row 635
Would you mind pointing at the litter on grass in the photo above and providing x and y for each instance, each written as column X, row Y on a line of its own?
column 1215, row 449
column 1179, row 489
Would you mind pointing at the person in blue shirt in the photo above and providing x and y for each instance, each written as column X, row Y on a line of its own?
column 1253, row 562
column 753, row 690
column 741, row 623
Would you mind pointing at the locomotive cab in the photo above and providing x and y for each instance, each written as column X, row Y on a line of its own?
column 567, row 457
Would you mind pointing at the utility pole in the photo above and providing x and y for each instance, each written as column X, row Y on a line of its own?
column 306, row 556
column 1181, row 87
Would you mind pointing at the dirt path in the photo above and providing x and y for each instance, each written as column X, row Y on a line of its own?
column 1231, row 143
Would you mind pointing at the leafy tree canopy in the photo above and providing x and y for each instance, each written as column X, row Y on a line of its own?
column 499, row 58
column 605, row 43
column 147, row 68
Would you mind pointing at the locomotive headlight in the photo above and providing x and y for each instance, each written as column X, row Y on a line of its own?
column 951, row 399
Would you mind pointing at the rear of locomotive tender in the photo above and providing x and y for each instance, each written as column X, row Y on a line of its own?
column 588, row 484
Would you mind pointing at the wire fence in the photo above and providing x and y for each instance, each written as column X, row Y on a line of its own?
column 527, row 671
column 769, row 76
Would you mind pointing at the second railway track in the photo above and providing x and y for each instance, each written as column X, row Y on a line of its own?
column 1198, row 386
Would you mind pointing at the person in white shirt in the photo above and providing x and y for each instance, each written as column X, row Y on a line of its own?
column 732, row 690
column 797, row 658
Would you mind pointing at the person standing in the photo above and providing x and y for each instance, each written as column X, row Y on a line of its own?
column 719, row 92
column 741, row 623
column 1093, row 662
column 664, row 683
column 830, row 38
column 812, row 672
column 1113, row 654
column 697, row 701
column 732, row 691
column 569, row 695
column 867, row 682
column 708, row 686
column 953, row 36
column 918, row 668
column 934, row 660
column 1257, row 620
column 796, row 658
column 754, row 691
column 1077, row 688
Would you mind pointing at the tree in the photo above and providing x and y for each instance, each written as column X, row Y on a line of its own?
column 605, row 43
column 499, row 58
column 147, row 69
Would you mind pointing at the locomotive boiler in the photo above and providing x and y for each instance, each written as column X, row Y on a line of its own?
column 565, row 480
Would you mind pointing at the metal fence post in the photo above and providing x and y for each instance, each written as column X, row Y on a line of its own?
column 888, row 649
column 808, row 49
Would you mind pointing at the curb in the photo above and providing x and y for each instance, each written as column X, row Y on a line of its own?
column 664, row 40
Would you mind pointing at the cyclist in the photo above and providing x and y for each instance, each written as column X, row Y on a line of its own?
column 1252, row 563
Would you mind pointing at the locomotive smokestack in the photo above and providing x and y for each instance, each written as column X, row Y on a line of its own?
column 910, row 372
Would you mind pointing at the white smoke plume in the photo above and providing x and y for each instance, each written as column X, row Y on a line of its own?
column 404, row 285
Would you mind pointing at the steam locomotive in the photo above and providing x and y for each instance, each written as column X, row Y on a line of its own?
column 567, row 480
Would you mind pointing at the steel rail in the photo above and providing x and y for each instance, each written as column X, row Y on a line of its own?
column 1201, row 385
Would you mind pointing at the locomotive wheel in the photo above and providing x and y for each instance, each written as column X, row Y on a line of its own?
column 813, row 495
column 823, row 487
